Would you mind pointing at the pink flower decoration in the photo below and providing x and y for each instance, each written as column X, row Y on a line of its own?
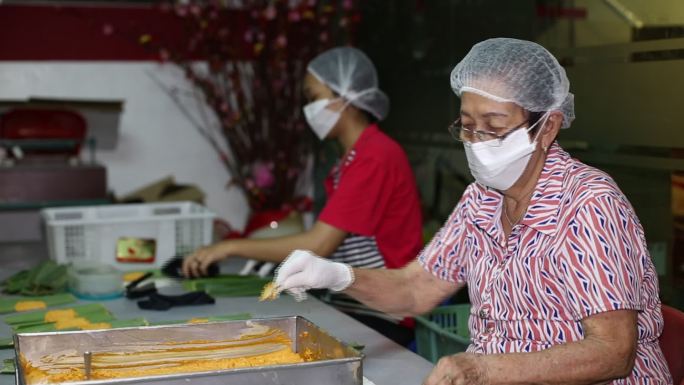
column 270, row 13
column 107, row 30
column 263, row 177
column 294, row 16
column 281, row 41
column 181, row 10
column 249, row 37
column 347, row 4
column 164, row 55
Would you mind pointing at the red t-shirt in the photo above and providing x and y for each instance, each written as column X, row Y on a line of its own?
column 376, row 196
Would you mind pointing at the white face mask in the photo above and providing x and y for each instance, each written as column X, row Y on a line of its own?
column 321, row 119
column 499, row 167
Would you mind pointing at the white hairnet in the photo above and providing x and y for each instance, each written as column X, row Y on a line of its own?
column 518, row 71
column 351, row 74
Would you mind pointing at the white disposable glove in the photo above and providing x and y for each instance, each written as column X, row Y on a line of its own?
column 302, row 270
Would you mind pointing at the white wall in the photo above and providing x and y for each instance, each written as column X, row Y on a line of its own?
column 604, row 25
column 156, row 139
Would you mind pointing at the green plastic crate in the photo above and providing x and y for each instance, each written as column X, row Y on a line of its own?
column 443, row 332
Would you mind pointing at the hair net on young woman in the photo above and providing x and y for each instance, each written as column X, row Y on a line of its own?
column 518, row 71
column 351, row 74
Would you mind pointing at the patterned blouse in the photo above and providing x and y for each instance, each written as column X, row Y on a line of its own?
column 579, row 250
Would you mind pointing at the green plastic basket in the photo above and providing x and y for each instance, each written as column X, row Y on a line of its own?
column 443, row 332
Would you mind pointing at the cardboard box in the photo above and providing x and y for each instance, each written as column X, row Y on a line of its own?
column 165, row 190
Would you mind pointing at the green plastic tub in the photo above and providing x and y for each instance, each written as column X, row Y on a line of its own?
column 443, row 332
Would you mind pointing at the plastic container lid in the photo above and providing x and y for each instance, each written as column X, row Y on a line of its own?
column 94, row 280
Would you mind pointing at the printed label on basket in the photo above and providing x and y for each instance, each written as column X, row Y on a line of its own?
column 136, row 250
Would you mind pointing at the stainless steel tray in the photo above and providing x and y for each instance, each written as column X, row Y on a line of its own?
column 337, row 363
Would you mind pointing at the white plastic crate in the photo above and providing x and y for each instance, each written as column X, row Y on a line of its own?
column 92, row 232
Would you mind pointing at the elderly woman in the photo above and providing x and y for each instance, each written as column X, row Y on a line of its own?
column 562, row 287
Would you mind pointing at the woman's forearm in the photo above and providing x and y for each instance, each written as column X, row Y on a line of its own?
column 585, row 362
column 402, row 292
column 322, row 239
column 384, row 290
column 267, row 250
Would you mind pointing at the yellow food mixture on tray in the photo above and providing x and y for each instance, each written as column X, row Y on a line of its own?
column 29, row 305
column 59, row 315
column 66, row 319
column 269, row 292
column 262, row 348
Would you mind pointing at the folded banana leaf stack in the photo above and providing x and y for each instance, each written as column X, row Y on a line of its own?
column 22, row 304
column 59, row 319
column 8, row 342
column 45, row 279
column 228, row 285
column 95, row 323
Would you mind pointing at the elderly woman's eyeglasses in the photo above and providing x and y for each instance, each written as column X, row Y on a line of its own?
column 490, row 138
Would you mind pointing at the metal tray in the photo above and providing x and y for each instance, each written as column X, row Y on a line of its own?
column 337, row 363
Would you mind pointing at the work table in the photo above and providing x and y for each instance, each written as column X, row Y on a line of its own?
column 385, row 362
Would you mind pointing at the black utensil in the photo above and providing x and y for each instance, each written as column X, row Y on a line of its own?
column 174, row 268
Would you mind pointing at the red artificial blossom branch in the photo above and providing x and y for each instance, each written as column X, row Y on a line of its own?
column 256, row 58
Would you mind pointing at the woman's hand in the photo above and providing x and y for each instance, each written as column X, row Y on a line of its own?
column 197, row 264
column 303, row 270
column 459, row 369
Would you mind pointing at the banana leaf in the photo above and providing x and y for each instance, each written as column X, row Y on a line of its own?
column 38, row 317
column 356, row 345
column 128, row 323
column 45, row 279
column 6, row 342
column 98, row 317
column 112, row 324
column 8, row 366
column 228, row 285
column 15, row 283
column 7, row 305
column 227, row 279
column 229, row 291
